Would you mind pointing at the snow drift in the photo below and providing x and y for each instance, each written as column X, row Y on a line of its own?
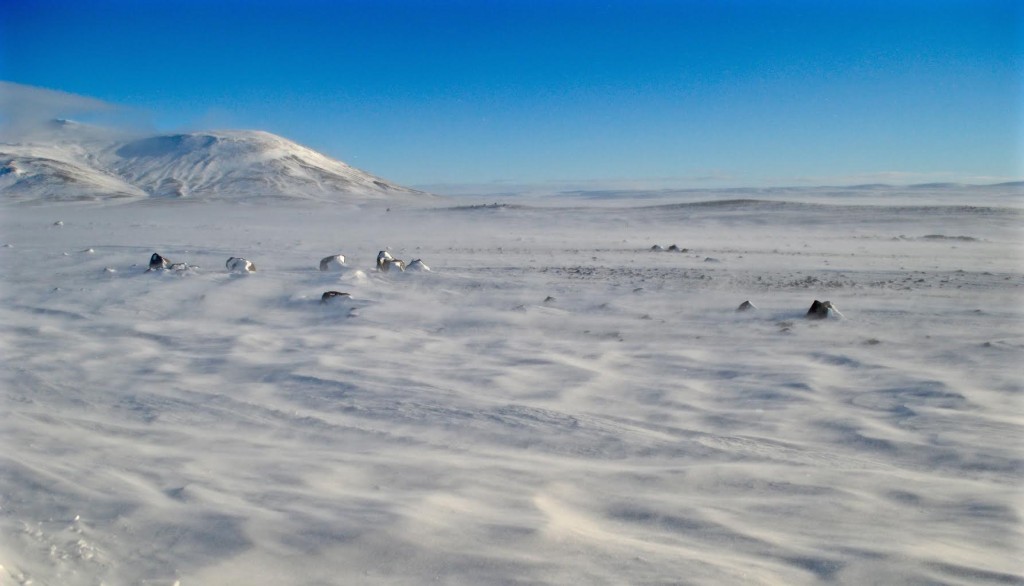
column 553, row 403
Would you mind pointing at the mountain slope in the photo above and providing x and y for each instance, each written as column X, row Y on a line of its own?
column 73, row 163
column 28, row 173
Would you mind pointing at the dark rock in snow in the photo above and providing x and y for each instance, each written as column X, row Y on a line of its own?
column 746, row 306
column 158, row 262
column 821, row 310
column 329, row 296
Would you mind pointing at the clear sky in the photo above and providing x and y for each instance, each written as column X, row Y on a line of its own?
column 619, row 93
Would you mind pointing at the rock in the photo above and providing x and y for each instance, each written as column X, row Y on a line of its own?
column 387, row 264
column 335, row 262
column 385, row 261
column 657, row 248
column 746, row 306
column 417, row 265
column 822, row 310
column 329, row 296
column 158, row 262
column 239, row 265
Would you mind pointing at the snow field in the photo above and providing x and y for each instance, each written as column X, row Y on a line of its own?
column 459, row 426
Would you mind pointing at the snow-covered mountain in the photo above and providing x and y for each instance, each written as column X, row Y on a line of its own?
column 73, row 162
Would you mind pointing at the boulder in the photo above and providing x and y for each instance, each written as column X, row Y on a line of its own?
column 385, row 261
column 417, row 265
column 330, row 296
column 333, row 262
column 158, row 262
column 239, row 265
column 822, row 310
column 392, row 262
column 161, row 263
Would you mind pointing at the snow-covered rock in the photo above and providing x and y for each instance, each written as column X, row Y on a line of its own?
column 417, row 265
column 385, row 261
column 335, row 262
column 823, row 310
column 239, row 265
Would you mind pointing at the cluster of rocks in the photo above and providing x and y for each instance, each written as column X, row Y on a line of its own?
column 385, row 262
column 158, row 262
column 161, row 263
column 671, row 248
column 335, row 262
column 818, row 310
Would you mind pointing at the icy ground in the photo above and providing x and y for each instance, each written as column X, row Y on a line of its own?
column 554, row 403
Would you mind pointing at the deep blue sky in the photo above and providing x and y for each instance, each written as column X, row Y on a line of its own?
column 562, row 92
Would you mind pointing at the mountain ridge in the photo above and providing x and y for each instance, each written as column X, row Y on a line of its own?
column 72, row 162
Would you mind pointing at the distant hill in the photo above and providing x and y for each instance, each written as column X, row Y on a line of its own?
column 74, row 162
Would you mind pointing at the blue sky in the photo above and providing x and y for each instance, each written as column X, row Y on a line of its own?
column 566, row 93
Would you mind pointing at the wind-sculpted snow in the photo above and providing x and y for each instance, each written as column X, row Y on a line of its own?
column 552, row 403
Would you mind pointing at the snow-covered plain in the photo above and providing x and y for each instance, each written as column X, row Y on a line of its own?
column 553, row 403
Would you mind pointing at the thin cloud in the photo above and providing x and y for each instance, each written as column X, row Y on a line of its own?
column 28, row 111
